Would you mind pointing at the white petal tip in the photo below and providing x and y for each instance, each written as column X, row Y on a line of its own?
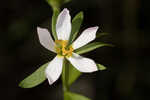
column 41, row 30
column 38, row 28
column 96, row 69
column 65, row 10
column 92, row 70
column 50, row 81
column 94, row 28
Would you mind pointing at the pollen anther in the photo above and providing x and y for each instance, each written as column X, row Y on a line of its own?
column 62, row 49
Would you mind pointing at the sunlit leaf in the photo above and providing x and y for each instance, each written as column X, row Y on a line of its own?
column 101, row 67
column 35, row 78
column 74, row 96
column 91, row 46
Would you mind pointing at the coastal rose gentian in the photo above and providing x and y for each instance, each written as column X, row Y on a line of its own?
column 63, row 30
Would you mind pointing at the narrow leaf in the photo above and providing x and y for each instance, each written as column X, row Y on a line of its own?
column 90, row 47
column 54, row 19
column 74, row 96
column 73, row 74
column 76, row 23
column 101, row 67
column 35, row 78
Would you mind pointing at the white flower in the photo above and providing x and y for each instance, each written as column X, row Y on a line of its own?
column 63, row 29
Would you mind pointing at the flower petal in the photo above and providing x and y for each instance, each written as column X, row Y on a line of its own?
column 87, row 36
column 54, row 69
column 63, row 25
column 83, row 64
column 46, row 39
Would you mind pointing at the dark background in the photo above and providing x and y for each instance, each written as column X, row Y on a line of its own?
column 127, row 74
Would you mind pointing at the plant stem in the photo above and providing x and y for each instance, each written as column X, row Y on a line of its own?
column 65, row 76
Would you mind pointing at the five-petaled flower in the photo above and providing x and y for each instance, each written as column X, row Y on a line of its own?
column 63, row 30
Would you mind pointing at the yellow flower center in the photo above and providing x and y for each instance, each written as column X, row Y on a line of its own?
column 62, row 49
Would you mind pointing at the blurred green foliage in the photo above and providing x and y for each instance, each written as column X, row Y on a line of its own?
column 57, row 3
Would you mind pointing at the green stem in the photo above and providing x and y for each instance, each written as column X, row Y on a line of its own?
column 65, row 76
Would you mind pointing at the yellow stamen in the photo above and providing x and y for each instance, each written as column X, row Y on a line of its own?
column 62, row 49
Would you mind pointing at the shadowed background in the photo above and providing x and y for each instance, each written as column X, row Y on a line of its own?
column 127, row 74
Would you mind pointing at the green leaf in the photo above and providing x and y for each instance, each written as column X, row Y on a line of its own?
column 76, row 23
column 101, row 67
column 101, row 35
column 54, row 19
column 73, row 74
column 35, row 78
column 57, row 3
column 74, row 96
column 91, row 46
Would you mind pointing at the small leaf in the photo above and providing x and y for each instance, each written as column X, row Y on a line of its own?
column 101, row 67
column 73, row 74
column 54, row 19
column 76, row 23
column 35, row 78
column 74, row 96
column 91, row 46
